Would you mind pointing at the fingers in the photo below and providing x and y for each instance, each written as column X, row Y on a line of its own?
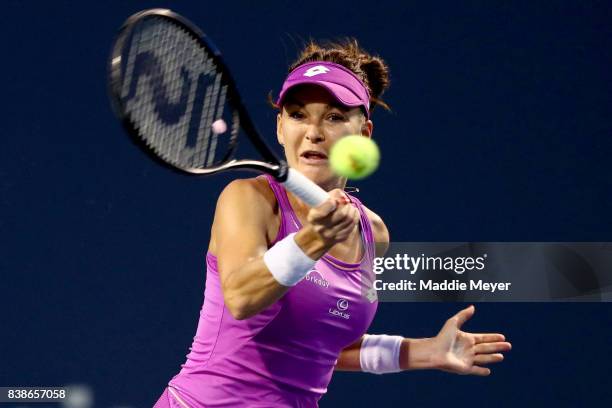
column 337, row 199
column 488, row 353
column 334, row 210
column 488, row 337
column 481, row 359
column 327, row 207
column 334, row 220
column 324, row 209
column 485, row 348
column 343, row 217
column 345, row 227
column 347, row 216
column 482, row 371
column 488, row 356
column 464, row 315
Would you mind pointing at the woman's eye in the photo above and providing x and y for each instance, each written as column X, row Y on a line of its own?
column 296, row 115
column 335, row 117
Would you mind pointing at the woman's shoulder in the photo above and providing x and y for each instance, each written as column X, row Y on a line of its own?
column 379, row 230
column 249, row 192
column 246, row 207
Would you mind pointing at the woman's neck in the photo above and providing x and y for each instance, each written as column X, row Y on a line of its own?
column 301, row 208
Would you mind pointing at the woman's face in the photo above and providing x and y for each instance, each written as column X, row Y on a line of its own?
column 310, row 122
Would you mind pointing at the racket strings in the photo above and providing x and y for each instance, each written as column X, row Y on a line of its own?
column 173, row 93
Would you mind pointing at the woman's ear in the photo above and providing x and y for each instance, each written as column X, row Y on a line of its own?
column 279, row 130
column 367, row 128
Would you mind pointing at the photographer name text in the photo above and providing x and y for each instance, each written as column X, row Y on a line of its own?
column 442, row 286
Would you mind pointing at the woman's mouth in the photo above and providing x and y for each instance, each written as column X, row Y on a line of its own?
column 313, row 157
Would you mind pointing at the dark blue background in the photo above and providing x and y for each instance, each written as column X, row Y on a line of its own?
column 500, row 131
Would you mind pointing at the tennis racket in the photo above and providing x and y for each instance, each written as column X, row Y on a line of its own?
column 178, row 102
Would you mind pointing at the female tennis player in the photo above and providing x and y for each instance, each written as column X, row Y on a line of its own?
column 283, row 305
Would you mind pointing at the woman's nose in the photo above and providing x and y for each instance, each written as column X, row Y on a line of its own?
column 314, row 134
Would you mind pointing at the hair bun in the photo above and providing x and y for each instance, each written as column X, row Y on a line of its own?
column 377, row 74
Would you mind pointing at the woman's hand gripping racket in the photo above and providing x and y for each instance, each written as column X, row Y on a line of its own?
column 177, row 100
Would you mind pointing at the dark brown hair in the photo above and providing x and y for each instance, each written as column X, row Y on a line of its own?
column 371, row 69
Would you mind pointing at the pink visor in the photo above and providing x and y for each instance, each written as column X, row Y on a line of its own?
column 343, row 84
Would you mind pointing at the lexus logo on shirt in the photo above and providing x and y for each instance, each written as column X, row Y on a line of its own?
column 341, row 306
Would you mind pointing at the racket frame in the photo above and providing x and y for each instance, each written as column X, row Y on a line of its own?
column 272, row 164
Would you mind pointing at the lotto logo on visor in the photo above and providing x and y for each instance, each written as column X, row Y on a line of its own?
column 318, row 70
column 339, row 81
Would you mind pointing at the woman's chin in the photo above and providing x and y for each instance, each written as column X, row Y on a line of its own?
column 322, row 176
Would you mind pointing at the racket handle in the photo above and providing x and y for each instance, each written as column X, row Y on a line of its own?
column 305, row 189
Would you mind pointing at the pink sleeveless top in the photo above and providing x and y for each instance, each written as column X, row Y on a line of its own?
column 285, row 355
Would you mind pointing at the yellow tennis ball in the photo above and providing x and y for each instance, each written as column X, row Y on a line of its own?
column 354, row 157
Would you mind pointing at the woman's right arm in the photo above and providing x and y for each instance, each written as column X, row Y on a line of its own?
column 240, row 242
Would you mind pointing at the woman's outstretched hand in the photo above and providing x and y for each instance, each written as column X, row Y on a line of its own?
column 458, row 352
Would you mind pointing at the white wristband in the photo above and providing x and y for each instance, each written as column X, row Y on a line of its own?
column 380, row 354
column 287, row 262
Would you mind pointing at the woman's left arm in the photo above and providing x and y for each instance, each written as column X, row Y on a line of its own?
column 452, row 350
